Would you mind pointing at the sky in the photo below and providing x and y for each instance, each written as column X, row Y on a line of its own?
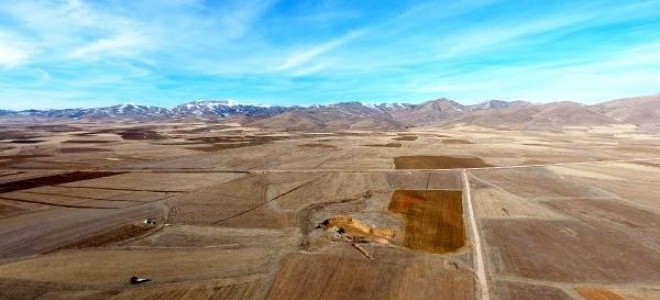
column 76, row 53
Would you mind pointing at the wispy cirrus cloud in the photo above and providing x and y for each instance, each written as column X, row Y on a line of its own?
column 120, row 45
column 300, row 58
column 63, row 52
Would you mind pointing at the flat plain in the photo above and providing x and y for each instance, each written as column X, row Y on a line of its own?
column 246, row 213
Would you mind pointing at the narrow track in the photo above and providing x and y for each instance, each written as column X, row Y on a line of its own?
column 478, row 259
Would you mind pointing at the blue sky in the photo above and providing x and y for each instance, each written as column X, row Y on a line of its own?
column 56, row 54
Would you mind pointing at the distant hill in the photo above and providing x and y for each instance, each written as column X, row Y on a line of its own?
column 340, row 116
column 541, row 116
column 643, row 112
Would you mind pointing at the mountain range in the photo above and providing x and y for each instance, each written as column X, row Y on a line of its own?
column 644, row 112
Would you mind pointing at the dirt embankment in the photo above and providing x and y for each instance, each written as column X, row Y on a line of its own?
column 357, row 231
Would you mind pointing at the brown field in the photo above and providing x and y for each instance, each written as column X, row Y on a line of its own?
column 317, row 145
column 455, row 141
column 86, row 142
column 392, row 275
column 438, row 162
column 405, row 138
column 393, row 145
column 598, row 294
column 518, row 291
column 109, row 237
column 82, row 150
column 434, row 219
column 51, row 180
column 240, row 212
column 7, row 210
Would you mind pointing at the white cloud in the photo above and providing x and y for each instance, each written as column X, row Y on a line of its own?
column 300, row 58
column 13, row 50
column 119, row 45
column 237, row 19
column 309, row 70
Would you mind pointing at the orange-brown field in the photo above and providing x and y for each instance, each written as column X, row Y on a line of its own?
column 220, row 211
column 434, row 219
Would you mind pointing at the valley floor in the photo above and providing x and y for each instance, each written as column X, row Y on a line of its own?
column 226, row 212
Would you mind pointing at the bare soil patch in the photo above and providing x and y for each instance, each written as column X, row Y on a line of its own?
column 141, row 135
column 218, row 147
column 405, row 138
column 87, row 142
column 138, row 133
column 519, row 291
column 52, row 180
column 438, row 162
column 110, row 237
column 22, row 156
column 532, row 249
column 648, row 163
column 358, row 231
column 215, row 143
column 238, row 138
column 391, row 275
column 100, row 266
column 391, row 145
column 317, row 145
column 26, row 141
column 82, row 150
column 598, row 294
column 7, row 210
column 54, row 128
column 201, row 129
column 456, row 141
column 434, row 219
column 215, row 289
column 17, row 135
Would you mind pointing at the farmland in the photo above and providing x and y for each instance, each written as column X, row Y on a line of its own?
column 240, row 212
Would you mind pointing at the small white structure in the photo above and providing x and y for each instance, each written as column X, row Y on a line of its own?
column 149, row 222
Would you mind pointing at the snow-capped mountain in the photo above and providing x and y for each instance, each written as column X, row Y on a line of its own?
column 190, row 110
column 223, row 109
column 220, row 109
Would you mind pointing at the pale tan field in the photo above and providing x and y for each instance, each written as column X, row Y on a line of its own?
column 239, row 214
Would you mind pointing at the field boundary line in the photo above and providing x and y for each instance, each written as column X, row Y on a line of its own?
column 479, row 266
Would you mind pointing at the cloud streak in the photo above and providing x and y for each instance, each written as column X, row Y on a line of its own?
column 300, row 58
column 82, row 52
